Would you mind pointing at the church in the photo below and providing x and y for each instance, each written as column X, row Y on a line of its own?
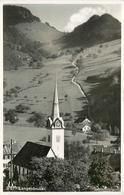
column 53, row 147
column 56, row 128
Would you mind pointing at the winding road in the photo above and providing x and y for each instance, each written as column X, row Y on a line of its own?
column 74, row 79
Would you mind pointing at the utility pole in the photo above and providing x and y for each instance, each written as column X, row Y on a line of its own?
column 11, row 163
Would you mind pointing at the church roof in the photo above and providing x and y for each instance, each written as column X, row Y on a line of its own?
column 30, row 150
column 55, row 109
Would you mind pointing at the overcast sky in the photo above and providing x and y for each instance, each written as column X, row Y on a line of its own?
column 66, row 17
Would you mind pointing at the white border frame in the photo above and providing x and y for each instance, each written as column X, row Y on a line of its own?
column 2, row 2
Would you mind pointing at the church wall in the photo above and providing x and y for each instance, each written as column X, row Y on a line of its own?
column 50, row 154
column 58, row 142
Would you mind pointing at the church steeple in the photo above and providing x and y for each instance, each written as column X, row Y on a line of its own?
column 55, row 109
column 55, row 121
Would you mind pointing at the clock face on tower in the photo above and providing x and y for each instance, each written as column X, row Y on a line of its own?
column 57, row 123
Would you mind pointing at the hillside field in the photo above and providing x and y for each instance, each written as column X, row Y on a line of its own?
column 36, row 86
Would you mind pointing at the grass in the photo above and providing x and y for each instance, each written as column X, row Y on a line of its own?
column 28, row 81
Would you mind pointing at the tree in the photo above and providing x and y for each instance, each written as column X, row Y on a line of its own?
column 11, row 116
column 48, row 174
column 15, row 176
column 101, row 135
column 38, row 119
column 21, row 108
column 96, row 127
column 58, row 175
column 5, row 178
column 100, row 172
column 76, row 151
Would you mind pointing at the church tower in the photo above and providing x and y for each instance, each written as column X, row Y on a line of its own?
column 56, row 125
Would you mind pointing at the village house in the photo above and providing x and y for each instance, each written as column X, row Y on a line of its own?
column 8, row 155
column 86, row 125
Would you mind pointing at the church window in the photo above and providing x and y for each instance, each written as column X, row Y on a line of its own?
column 58, row 138
column 48, row 138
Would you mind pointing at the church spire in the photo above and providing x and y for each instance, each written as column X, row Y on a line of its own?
column 55, row 110
column 55, row 121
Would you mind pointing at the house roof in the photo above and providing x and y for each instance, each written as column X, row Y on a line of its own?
column 86, row 121
column 7, row 148
column 30, row 150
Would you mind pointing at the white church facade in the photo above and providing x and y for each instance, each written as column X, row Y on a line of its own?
column 56, row 128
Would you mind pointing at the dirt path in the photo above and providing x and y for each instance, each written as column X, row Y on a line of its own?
column 74, row 79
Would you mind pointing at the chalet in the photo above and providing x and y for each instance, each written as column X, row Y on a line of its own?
column 7, row 156
column 86, row 125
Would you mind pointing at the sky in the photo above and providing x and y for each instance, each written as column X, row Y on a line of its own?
column 65, row 17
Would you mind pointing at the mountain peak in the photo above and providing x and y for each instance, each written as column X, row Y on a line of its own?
column 106, row 16
column 94, row 17
column 97, row 29
column 13, row 15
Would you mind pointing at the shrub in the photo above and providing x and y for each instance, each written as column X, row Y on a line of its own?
column 25, row 96
column 21, row 108
column 101, row 46
column 94, row 55
column 38, row 119
column 100, row 172
column 101, row 135
column 6, row 178
column 75, row 150
column 11, row 116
